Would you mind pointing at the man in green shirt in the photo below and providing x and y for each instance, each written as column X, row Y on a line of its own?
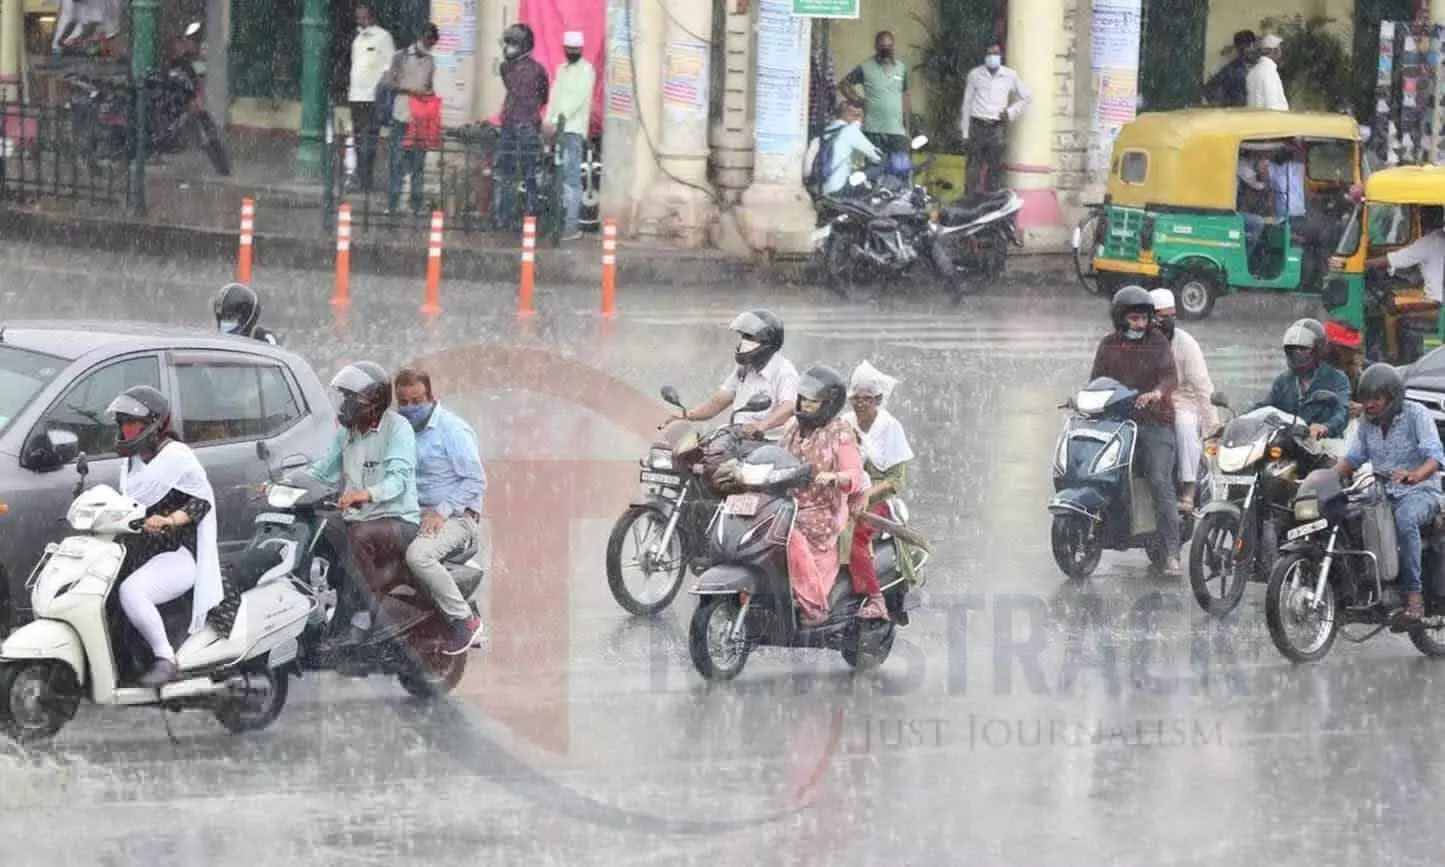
column 571, row 107
column 885, row 97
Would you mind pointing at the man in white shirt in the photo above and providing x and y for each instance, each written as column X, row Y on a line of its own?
column 832, row 154
column 372, row 51
column 1194, row 411
column 761, row 369
column 1262, row 86
column 1428, row 253
column 993, row 95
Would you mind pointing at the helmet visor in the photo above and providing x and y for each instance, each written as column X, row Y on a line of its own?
column 749, row 324
column 352, row 379
column 126, row 405
column 811, row 388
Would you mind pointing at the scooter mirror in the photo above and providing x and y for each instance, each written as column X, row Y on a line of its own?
column 670, row 395
column 1218, row 399
column 857, row 178
column 920, row 142
column 193, row 28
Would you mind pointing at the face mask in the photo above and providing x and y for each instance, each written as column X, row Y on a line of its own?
column 573, row 56
column 746, row 345
column 230, row 326
column 1134, row 334
column 1167, row 326
column 131, row 429
column 353, row 412
column 993, row 61
column 511, row 51
column 884, row 53
column 417, row 414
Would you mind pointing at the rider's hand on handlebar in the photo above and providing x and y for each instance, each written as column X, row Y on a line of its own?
column 352, row 499
column 753, row 431
column 156, row 524
column 1318, row 432
column 1148, row 398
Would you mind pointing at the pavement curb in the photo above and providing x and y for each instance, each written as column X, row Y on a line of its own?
column 564, row 265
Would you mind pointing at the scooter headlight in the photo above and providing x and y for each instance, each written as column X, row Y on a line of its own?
column 659, row 459
column 284, row 496
column 1061, row 453
column 1306, row 509
column 1109, row 458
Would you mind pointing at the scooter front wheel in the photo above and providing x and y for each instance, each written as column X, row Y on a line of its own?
column 715, row 654
column 37, row 699
column 1077, row 550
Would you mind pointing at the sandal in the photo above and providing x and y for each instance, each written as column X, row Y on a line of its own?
column 873, row 609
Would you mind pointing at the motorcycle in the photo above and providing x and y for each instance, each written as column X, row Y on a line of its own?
column 1102, row 498
column 1260, row 457
column 81, row 647
column 677, row 498
column 747, row 596
column 408, row 631
column 1340, row 565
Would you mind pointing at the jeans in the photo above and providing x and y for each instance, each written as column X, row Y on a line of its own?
column 424, row 557
column 1253, row 230
column 364, row 131
column 518, row 149
column 571, row 146
column 1413, row 510
column 1157, row 447
column 405, row 161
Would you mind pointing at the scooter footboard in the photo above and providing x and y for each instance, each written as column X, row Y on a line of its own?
column 1079, row 501
column 725, row 580
column 46, row 639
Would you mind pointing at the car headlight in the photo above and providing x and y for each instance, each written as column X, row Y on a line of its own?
column 1306, row 509
column 659, row 459
column 284, row 496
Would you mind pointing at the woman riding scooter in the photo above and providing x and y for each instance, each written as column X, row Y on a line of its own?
column 177, row 553
column 817, row 435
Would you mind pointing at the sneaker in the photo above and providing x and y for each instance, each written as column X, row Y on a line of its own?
column 162, row 673
column 461, row 635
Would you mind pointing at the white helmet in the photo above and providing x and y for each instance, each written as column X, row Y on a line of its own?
column 1163, row 299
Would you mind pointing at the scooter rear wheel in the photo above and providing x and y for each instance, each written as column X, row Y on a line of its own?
column 437, row 675
column 871, row 648
column 252, row 714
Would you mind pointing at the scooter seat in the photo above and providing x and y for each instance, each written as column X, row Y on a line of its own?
column 249, row 565
column 461, row 557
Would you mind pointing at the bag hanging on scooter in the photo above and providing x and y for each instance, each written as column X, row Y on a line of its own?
column 1378, row 524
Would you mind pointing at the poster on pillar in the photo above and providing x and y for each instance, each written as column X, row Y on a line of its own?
column 619, row 100
column 1115, row 52
column 685, row 83
column 455, row 53
column 550, row 20
column 781, row 127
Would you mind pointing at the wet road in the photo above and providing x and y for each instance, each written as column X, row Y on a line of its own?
column 1020, row 720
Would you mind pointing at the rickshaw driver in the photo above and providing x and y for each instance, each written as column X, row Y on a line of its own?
column 1428, row 252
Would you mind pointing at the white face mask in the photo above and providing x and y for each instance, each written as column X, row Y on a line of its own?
column 746, row 345
column 992, row 61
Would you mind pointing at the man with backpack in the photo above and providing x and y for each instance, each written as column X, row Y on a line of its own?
column 841, row 141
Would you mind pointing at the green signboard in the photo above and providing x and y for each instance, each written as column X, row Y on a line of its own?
column 826, row 8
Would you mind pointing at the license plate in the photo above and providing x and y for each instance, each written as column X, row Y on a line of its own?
column 275, row 518
column 1243, row 481
column 741, row 504
column 669, row 479
column 1306, row 529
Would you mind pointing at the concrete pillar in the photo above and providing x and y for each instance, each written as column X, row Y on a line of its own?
column 776, row 212
column 492, row 20
column 1036, row 38
column 1437, row 11
column 12, row 45
column 680, row 204
column 732, row 134
column 218, row 66
column 633, row 111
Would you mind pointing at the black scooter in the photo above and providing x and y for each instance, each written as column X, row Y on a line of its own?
column 747, row 595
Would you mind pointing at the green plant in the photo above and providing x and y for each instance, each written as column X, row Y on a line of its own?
column 958, row 33
column 1315, row 65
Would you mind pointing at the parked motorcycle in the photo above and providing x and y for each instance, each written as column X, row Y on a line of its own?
column 976, row 232
column 1260, row 457
column 747, row 596
column 1103, row 499
column 1340, row 565
column 676, row 504
column 408, row 631
column 80, row 645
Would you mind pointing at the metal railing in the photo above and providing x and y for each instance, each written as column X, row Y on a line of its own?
column 74, row 151
column 476, row 175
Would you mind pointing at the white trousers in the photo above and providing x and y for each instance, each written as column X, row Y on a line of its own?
column 1189, row 450
column 159, row 580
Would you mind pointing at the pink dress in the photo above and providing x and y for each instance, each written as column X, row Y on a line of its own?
column 822, row 511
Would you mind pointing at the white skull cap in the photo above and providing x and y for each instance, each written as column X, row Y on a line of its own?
column 572, row 39
column 1163, row 299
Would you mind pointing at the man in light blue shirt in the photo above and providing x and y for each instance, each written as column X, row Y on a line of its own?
column 450, row 482
column 373, row 456
column 1287, row 182
column 1399, row 438
column 842, row 139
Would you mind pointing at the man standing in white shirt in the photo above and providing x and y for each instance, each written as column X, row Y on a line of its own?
column 1428, row 253
column 371, row 55
column 1263, row 86
column 989, row 104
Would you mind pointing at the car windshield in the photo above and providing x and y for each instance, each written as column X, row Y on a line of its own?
column 22, row 375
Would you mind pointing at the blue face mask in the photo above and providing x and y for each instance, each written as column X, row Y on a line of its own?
column 1132, row 334
column 417, row 413
column 992, row 61
column 229, row 326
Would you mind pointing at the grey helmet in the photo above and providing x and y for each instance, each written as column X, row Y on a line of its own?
column 1304, row 334
column 364, row 379
column 1382, row 380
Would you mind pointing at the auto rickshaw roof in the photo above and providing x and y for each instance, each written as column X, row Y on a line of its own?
column 1193, row 154
column 1407, row 185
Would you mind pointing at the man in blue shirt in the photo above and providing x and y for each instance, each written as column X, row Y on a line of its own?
column 1401, row 440
column 450, row 482
column 1308, row 375
column 374, row 457
column 842, row 139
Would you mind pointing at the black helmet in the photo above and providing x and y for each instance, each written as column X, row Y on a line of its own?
column 1130, row 299
column 825, row 385
column 367, row 381
column 140, row 403
column 1382, row 380
column 236, row 306
column 1301, row 335
column 518, row 41
column 762, row 333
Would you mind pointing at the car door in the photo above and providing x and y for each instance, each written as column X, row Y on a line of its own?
column 80, row 409
column 227, row 402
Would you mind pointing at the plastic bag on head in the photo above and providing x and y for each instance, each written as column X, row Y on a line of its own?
column 868, row 379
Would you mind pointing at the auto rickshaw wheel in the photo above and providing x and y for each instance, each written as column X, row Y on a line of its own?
column 1195, row 290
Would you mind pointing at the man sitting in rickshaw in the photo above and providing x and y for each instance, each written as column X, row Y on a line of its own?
column 1427, row 253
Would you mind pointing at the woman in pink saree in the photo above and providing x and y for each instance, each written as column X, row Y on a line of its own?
column 818, row 436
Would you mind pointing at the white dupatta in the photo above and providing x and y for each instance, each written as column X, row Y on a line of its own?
column 884, row 445
column 176, row 466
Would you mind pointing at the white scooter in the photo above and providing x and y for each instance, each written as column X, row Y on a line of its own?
column 70, row 651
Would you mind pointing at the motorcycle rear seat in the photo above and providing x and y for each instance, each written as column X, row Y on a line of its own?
column 883, row 224
column 969, row 209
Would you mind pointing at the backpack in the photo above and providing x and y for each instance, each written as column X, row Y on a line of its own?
column 822, row 161
column 384, row 102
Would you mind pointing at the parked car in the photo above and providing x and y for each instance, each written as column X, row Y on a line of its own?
column 1425, row 384
column 227, row 394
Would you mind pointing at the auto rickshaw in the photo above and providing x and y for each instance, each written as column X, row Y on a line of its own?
column 1185, row 197
column 1390, row 316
